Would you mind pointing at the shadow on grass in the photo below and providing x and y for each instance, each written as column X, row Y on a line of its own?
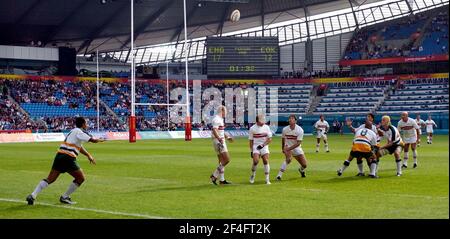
column 206, row 187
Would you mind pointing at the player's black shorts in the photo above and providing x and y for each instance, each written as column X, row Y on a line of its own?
column 64, row 163
column 391, row 149
column 357, row 154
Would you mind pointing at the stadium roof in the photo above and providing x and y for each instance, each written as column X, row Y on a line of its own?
column 88, row 25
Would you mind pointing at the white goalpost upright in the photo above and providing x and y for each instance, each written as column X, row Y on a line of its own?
column 98, row 97
column 132, row 119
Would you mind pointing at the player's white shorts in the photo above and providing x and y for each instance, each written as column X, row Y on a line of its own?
column 321, row 135
column 297, row 151
column 220, row 148
column 263, row 151
column 429, row 132
column 410, row 140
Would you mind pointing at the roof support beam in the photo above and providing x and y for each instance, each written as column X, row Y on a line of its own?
column 63, row 24
column 27, row 12
column 96, row 32
column 263, row 12
column 409, row 6
column 181, row 26
column 353, row 11
column 306, row 11
column 223, row 19
column 148, row 21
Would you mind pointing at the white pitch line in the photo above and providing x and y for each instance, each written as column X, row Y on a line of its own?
column 85, row 209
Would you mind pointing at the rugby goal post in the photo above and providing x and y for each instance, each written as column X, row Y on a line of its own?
column 132, row 118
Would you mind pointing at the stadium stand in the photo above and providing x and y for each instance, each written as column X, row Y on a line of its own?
column 422, row 34
column 351, row 100
column 49, row 106
column 421, row 96
column 292, row 99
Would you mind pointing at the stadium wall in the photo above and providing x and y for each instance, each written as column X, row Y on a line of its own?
column 58, row 137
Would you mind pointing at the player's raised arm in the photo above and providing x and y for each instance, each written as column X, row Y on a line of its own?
column 349, row 125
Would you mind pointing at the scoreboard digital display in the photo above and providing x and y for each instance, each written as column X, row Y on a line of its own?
column 242, row 56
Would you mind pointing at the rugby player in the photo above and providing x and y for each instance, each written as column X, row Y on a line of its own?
column 65, row 161
column 291, row 141
column 322, row 128
column 364, row 143
column 430, row 123
column 409, row 130
column 260, row 137
column 219, row 136
column 394, row 142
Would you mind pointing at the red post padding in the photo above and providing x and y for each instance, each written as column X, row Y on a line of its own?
column 188, row 129
column 132, row 133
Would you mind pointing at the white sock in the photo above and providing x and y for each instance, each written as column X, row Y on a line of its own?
column 326, row 146
column 360, row 167
column 373, row 168
column 317, row 147
column 302, row 169
column 217, row 172
column 282, row 168
column 399, row 165
column 405, row 158
column 415, row 156
column 41, row 185
column 267, row 171
column 72, row 187
column 222, row 173
column 254, row 166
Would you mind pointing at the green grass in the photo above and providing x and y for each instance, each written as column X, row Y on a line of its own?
column 170, row 179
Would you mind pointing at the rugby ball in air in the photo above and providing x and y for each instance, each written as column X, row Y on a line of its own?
column 235, row 15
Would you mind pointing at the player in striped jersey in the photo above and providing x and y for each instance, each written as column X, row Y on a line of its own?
column 409, row 130
column 219, row 136
column 430, row 124
column 394, row 142
column 364, row 143
column 421, row 125
column 370, row 117
column 260, row 137
column 322, row 127
column 291, row 140
column 65, row 161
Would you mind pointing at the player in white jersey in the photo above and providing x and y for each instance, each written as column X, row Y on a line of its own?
column 409, row 130
column 260, row 137
column 421, row 125
column 219, row 136
column 291, row 140
column 322, row 127
column 394, row 142
column 371, row 118
column 65, row 161
column 430, row 124
column 364, row 143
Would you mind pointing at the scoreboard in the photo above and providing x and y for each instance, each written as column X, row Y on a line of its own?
column 242, row 57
